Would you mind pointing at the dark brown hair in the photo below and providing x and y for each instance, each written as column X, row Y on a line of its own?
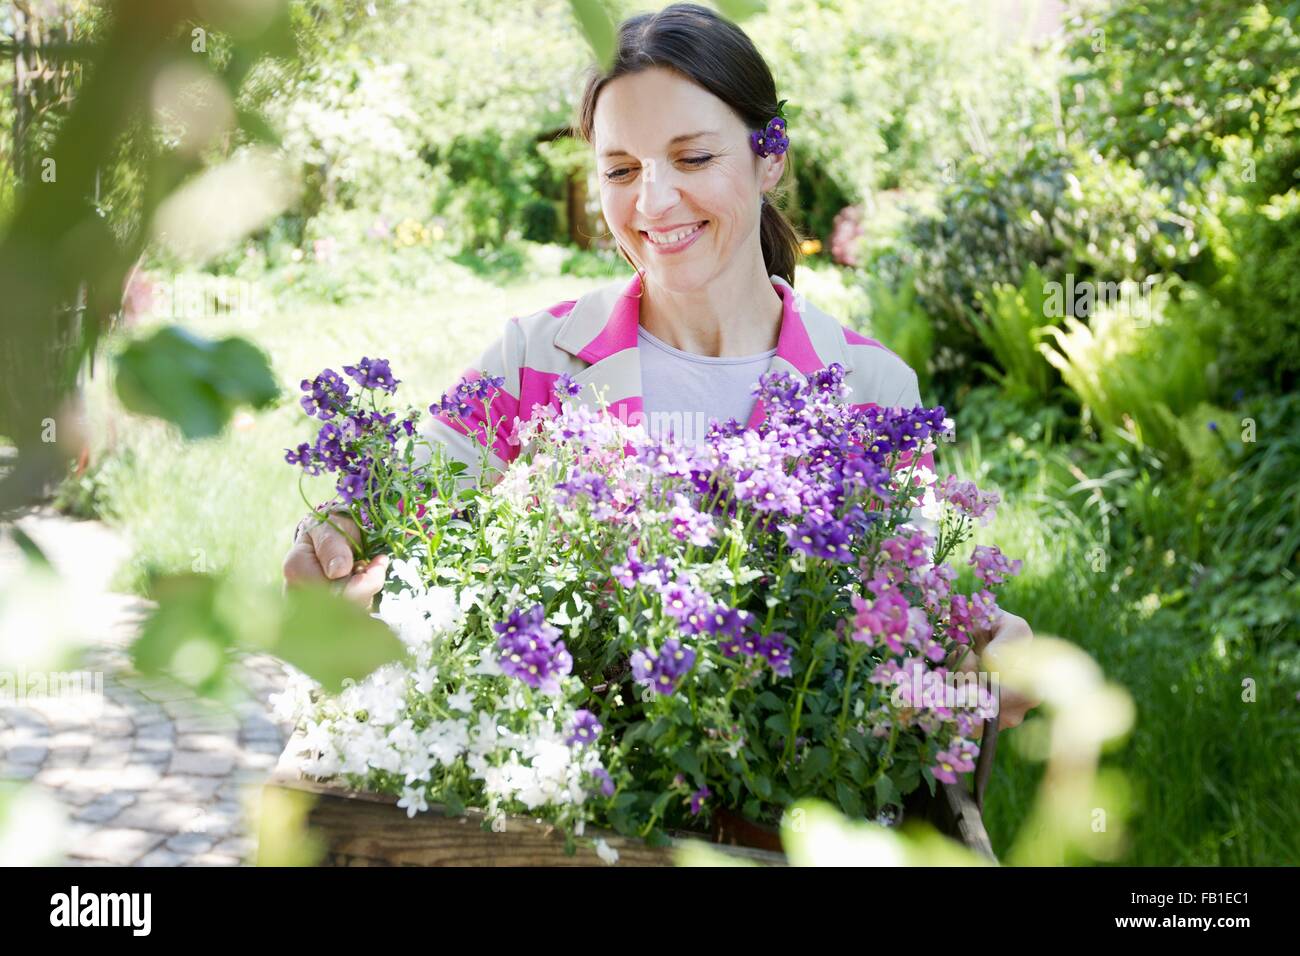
column 714, row 53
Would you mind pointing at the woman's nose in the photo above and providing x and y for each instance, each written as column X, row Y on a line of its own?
column 658, row 192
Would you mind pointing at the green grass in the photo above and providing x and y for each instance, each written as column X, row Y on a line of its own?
column 1212, row 778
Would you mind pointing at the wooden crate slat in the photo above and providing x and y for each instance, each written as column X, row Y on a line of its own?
column 361, row 828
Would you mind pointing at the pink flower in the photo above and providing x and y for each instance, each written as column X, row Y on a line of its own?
column 911, row 551
column 968, row 499
column 991, row 565
column 935, row 583
column 945, row 767
column 886, row 617
column 964, row 753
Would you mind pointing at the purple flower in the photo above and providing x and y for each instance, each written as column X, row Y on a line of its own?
column 586, row 728
column 820, row 538
column 606, row 782
column 374, row 373
column 531, row 651
column 775, row 648
column 328, row 393
column 565, row 385
column 911, row 551
column 582, row 484
column 680, row 599
column 698, row 798
column 302, row 456
column 661, row 671
column 977, row 613
column 884, row 618
column 352, row 486
column 727, row 622
column 628, row 574
column 967, row 498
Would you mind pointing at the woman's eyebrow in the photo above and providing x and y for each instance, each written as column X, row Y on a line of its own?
column 619, row 151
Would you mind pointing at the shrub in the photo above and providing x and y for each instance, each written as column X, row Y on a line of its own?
column 1011, row 323
column 1135, row 376
column 1063, row 210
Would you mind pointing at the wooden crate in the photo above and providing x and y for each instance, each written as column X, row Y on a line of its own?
column 369, row 829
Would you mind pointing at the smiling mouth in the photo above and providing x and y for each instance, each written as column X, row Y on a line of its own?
column 675, row 237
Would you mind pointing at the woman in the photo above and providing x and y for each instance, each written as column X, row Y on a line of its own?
column 688, row 144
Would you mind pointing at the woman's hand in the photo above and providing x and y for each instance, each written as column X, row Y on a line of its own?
column 322, row 555
column 1010, row 629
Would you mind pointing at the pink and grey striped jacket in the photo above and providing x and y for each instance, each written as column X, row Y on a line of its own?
column 594, row 340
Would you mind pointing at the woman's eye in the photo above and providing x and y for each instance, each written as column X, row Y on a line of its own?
column 617, row 175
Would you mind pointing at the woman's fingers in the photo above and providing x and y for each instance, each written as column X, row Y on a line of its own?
column 333, row 550
column 366, row 582
column 300, row 564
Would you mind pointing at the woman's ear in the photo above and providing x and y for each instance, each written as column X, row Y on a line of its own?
column 772, row 174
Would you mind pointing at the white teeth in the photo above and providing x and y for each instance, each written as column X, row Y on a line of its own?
column 672, row 237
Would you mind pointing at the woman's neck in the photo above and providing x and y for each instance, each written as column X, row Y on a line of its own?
column 724, row 319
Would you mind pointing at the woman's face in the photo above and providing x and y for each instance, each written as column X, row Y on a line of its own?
column 658, row 179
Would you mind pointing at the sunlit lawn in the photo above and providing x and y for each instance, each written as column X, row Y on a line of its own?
column 1210, row 778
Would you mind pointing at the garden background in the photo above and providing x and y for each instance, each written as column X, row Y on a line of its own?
column 1079, row 222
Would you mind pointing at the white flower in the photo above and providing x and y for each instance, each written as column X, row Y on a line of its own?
column 407, row 571
column 412, row 801
column 923, row 476
column 425, row 678
column 401, row 611
column 442, row 607
column 931, row 508
column 295, row 700
column 462, row 700
column 606, row 852
column 445, row 740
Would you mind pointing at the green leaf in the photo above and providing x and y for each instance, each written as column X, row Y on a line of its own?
column 30, row 549
column 816, row 763
column 185, row 637
column 850, row 800
column 857, row 769
column 886, row 792
column 689, row 761
column 778, row 723
column 598, row 27
column 331, row 639
column 737, row 10
column 454, row 804
column 762, row 786
column 193, row 382
column 199, row 619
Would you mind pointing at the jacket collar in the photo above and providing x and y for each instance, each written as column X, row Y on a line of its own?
column 602, row 325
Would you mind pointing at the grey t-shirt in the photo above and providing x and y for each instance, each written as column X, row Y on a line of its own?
column 682, row 392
